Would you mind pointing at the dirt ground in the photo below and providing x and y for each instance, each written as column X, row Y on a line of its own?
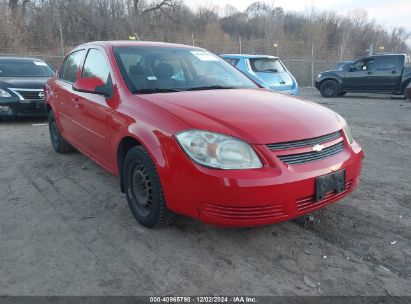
column 65, row 227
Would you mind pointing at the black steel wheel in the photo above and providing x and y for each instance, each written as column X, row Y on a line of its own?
column 60, row 145
column 329, row 88
column 143, row 189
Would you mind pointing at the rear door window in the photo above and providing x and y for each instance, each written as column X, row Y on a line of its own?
column 388, row 62
column 71, row 65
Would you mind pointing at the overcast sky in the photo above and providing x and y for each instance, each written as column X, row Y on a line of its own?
column 389, row 13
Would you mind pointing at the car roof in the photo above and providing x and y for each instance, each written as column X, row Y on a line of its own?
column 15, row 58
column 386, row 54
column 125, row 43
column 248, row 56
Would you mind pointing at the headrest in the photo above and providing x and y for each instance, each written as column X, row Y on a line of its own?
column 164, row 71
column 136, row 70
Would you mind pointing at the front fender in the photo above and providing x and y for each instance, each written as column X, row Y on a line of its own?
column 150, row 126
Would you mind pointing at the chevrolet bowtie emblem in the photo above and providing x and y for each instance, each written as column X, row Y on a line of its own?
column 318, row 148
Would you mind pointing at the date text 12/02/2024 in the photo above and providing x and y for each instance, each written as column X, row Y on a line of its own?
column 203, row 299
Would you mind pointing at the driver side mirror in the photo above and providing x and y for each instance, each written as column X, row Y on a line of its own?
column 93, row 85
column 351, row 69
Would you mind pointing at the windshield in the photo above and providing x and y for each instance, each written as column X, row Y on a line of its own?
column 159, row 69
column 266, row 65
column 25, row 68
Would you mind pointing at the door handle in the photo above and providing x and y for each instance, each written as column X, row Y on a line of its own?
column 369, row 73
column 394, row 72
column 75, row 103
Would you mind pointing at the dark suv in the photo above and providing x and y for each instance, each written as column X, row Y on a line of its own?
column 22, row 83
column 378, row 74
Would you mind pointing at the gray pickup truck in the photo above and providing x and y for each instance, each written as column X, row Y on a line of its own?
column 377, row 74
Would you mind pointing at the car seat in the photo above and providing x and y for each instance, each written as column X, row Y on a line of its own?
column 164, row 73
column 138, row 77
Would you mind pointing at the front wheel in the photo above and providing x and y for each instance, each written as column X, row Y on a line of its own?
column 59, row 144
column 329, row 88
column 406, row 96
column 143, row 189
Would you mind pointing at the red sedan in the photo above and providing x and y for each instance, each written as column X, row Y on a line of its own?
column 189, row 134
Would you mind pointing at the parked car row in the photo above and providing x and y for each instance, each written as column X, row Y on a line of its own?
column 22, row 79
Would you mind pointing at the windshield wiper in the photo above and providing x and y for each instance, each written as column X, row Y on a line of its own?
column 154, row 90
column 213, row 87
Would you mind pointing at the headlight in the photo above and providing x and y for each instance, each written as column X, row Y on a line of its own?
column 346, row 128
column 348, row 133
column 217, row 150
column 4, row 94
column 319, row 75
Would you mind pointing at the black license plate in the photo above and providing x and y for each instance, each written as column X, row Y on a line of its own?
column 334, row 182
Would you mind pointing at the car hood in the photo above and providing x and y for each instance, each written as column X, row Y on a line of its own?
column 332, row 72
column 255, row 115
column 23, row 82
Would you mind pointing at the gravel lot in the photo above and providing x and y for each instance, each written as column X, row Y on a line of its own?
column 65, row 227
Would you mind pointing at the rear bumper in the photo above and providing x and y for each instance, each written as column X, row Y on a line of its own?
column 26, row 108
column 247, row 198
column 295, row 91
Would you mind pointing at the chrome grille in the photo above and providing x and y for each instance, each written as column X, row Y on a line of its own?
column 27, row 94
column 307, row 157
column 305, row 142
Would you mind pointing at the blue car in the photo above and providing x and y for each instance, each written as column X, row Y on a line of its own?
column 268, row 71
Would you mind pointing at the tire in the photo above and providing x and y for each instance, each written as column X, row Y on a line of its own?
column 60, row 145
column 329, row 88
column 143, row 189
column 406, row 97
column 341, row 93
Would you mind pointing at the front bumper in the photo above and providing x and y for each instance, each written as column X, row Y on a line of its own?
column 317, row 84
column 247, row 198
column 25, row 108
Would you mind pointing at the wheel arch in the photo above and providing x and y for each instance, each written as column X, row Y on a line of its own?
column 148, row 140
column 406, row 83
column 338, row 80
column 125, row 144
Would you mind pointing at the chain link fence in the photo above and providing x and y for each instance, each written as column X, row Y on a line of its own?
column 304, row 63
